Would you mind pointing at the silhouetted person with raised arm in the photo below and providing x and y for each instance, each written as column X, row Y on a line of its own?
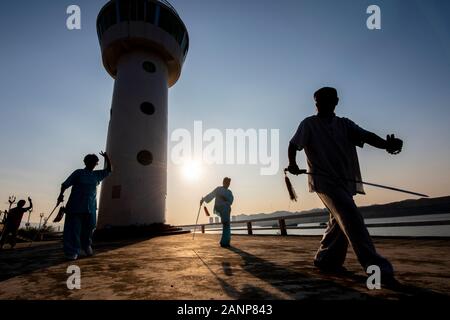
column 330, row 144
column 81, row 209
column 222, row 207
column 13, row 220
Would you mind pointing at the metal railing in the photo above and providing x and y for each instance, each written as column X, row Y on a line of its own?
column 249, row 225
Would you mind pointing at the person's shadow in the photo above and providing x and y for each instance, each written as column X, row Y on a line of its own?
column 299, row 285
column 28, row 259
column 291, row 283
column 247, row 292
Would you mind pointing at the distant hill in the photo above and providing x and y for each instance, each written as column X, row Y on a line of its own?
column 421, row 206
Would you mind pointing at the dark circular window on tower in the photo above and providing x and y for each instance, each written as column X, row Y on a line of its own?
column 149, row 66
column 148, row 108
column 145, row 157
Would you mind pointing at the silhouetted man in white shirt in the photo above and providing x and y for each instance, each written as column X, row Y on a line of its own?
column 330, row 146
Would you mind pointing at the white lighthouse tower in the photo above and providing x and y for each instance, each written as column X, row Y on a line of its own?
column 144, row 44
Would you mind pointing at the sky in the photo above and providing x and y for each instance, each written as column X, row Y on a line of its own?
column 251, row 64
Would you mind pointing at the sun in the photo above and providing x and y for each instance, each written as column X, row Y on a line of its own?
column 192, row 170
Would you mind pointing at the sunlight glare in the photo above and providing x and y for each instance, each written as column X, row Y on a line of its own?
column 192, row 170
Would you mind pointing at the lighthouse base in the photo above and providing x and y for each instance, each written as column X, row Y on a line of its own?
column 135, row 232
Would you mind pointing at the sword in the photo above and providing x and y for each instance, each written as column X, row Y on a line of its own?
column 366, row 183
column 38, row 232
column 196, row 222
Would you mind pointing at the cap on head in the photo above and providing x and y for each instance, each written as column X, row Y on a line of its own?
column 326, row 99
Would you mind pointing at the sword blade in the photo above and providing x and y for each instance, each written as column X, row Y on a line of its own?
column 196, row 222
column 373, row 185
column 394, row 189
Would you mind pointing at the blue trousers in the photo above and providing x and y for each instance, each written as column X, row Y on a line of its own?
column 225, row 214
column 78, row 231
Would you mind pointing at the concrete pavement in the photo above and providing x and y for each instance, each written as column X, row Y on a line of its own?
column 256, row 267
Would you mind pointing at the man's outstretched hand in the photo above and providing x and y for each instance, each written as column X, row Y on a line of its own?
column 11, row 200
column 107, row 161
column 295, row 170
column 393, row 144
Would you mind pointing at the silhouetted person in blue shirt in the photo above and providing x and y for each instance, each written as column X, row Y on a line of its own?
column 330, row 144
column 13, row 221
column 81, row 208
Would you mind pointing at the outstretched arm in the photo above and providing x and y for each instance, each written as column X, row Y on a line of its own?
column 11, row 200
column 31, row 204
column 209, row 197
column 391, row 144
column 375, row 140
column 107, row 161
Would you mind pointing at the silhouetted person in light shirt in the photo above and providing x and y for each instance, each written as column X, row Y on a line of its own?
column 81, row 209
column 13, row 220
column 222, row 207
column 330, row 144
